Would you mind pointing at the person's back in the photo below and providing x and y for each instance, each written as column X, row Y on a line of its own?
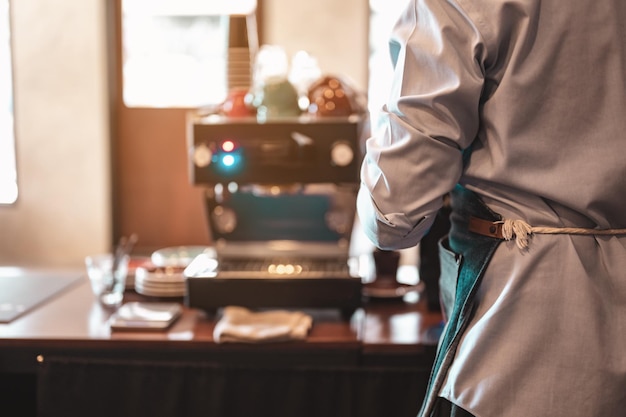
column 522, row 103
column 553, row 123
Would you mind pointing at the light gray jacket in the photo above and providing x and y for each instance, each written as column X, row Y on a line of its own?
column 536, row 90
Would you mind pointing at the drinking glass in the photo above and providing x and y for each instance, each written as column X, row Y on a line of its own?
column 107, row 283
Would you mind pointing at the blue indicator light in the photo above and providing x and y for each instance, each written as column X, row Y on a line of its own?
column 230, row 163
column 228, row 160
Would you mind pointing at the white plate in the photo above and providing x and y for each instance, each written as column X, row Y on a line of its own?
column 174, row 292
column 166, row 275
column 160, row 286
column 178, row 256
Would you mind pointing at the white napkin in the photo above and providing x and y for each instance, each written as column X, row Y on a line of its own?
column 239, row 324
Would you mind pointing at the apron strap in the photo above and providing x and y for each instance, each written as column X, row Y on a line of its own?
column 508, row 229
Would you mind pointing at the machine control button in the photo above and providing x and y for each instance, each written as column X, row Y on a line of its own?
column 225, row 219
column 341, row 154
column 202, row 156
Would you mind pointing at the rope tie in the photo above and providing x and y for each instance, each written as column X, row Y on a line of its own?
column 521, row 231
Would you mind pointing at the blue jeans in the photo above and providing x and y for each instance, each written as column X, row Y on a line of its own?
column 464, row 258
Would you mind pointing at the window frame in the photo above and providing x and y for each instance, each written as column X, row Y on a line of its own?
column 8, row 144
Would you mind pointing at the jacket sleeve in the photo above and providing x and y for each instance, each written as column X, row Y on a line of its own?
column 414, row 156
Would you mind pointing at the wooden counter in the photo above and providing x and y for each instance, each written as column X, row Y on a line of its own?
column 383, row 335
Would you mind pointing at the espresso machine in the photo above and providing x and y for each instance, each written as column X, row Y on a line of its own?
column 280, row 199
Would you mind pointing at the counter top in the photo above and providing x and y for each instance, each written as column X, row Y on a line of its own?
column 72, row 322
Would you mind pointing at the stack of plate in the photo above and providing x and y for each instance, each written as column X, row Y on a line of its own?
column 177, row 256
column 160, row 281
column 134, row 263
column 164, row 275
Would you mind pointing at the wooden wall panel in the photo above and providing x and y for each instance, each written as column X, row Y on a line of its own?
column 153, row 193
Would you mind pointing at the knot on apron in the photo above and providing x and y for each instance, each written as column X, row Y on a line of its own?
column 518, row 229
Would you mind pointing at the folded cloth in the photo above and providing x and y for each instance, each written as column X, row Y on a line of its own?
column 239, row 324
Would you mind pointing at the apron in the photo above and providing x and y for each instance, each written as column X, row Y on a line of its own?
column 463, row 256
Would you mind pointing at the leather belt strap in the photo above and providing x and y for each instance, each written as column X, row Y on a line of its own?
column 486, row 227
column 521, row 231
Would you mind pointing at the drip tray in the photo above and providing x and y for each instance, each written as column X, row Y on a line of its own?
column 212, row 293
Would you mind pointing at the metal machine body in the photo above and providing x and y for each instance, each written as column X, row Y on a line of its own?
column 303, row 150
column 281, row 203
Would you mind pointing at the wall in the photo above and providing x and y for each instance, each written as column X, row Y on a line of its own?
column 334, row 32
column 63, row 210
column 61, row 110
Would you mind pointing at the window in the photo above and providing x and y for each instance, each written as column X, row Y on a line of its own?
column 383, row 16
column 8, row 171
column 175, row 53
